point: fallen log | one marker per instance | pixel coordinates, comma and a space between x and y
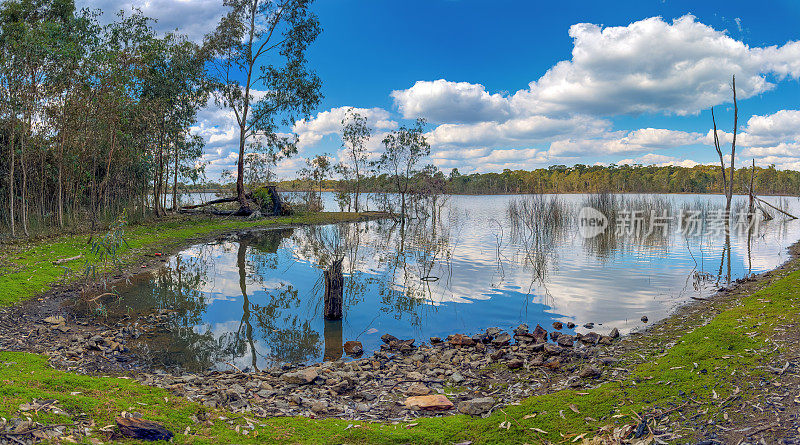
770, 205
212, 202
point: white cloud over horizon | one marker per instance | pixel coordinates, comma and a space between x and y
569, 113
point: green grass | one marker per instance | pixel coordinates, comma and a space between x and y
727, 343
27, 270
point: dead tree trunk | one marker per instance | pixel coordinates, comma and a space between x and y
277, 204
334, 291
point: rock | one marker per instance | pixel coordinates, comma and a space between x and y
553, 363
319, 407
55, 320
566, 341
142, 429
590, 339
491, 332
497, 355
418, 389
456, 377
540, 334
589, 325
605, 340
480, 347
521, 329
461, 340
436, 402
644, 318
414, 375
501, 339
388, 338
551, 349
435, 340
515, 363
557, 325
353, 347
574, 382
590, 372
554, 335
570, 325
614, 333
476, 407
301, 377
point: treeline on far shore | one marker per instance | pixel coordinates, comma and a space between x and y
579, 179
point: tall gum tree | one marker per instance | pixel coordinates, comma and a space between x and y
260, 72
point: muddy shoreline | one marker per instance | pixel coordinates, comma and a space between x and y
473, 375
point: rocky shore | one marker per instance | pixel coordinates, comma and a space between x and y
460, 374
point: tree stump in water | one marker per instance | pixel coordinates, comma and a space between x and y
333, 340
334, 291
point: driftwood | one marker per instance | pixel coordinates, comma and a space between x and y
334, 291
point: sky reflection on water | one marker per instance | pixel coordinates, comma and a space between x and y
257, 301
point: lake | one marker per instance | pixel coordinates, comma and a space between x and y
460, 266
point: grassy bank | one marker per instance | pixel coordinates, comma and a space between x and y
696, 364
27, 269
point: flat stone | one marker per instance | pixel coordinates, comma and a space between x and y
502, 339
436, 402
476, 407
553, 363
461, 340
301, 377
418, 389
566, 341
388, 338
414, 375
353, 347
491, 332
55, 320
515, 363
552, 349
319, 407
590, 372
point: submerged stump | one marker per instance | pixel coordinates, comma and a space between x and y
334, 291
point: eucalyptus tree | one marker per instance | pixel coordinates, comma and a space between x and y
316, 171
404, 148
355, 135
258, 63
176, 85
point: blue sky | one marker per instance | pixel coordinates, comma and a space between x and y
518, 84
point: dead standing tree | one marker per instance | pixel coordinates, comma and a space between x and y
334, 291
727, 183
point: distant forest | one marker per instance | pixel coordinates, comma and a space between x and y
581, 178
